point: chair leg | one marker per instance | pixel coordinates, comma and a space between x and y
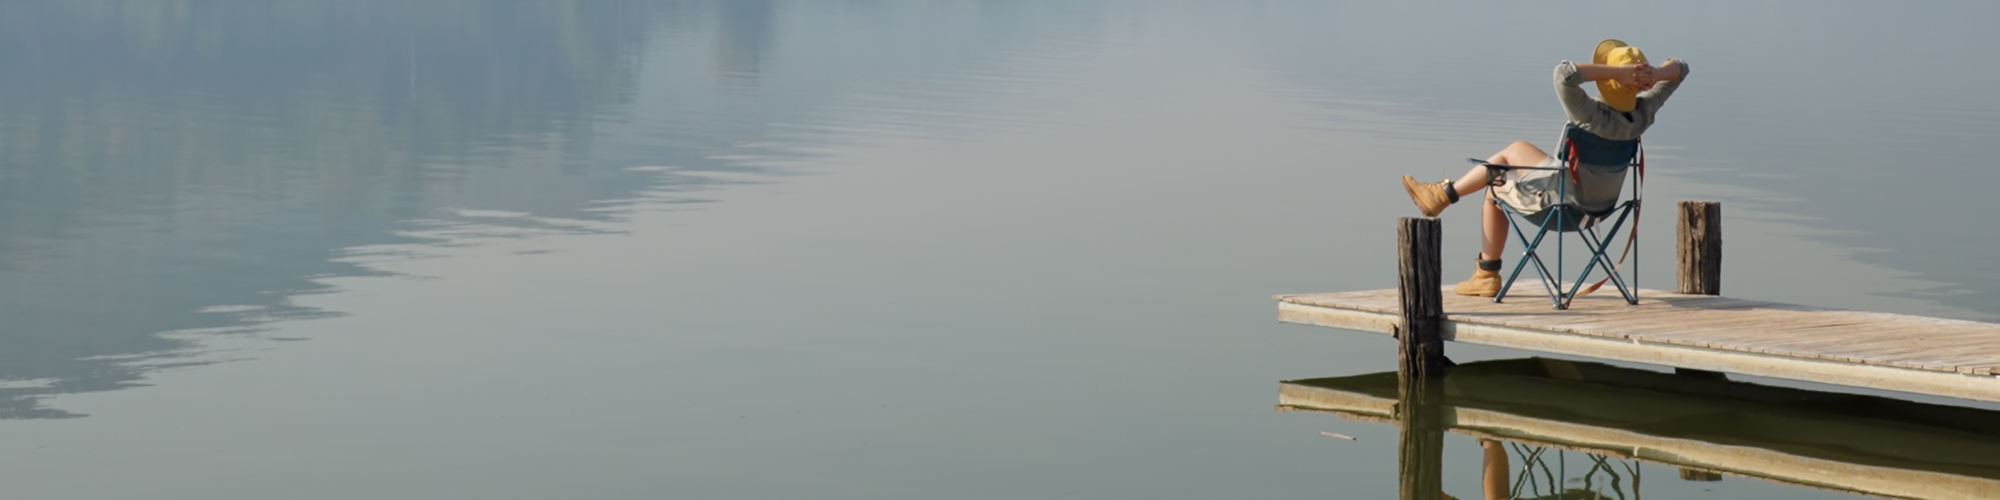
1628, 290
1596, 242
1551, 283
1589, 237
1599, 246
1508, 284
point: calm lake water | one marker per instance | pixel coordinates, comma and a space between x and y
863, 249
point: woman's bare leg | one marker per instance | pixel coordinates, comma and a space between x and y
1492, 231
1493, 222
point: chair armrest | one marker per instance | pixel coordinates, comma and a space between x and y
1483, 163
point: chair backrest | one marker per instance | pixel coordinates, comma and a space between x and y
1598, 158
1595, 151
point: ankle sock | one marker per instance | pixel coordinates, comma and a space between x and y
1490, 265
1450, 191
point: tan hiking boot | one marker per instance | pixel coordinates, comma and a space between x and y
1483, 283
1430, 198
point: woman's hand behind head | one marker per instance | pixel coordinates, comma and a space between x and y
1642, 77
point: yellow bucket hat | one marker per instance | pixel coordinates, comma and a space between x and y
1616, 53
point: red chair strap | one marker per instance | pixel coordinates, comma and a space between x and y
1642, 158
1574, 160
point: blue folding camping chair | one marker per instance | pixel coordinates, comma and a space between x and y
1579, 150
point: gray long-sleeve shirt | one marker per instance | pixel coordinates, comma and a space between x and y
1597, 118
1600, 185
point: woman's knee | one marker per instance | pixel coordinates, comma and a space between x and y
1521, 153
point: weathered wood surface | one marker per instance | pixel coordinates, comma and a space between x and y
1421, 349
1420, 448
1857, 348
1420, 444
1847, 442
1698, 248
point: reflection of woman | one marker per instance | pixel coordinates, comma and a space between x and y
1495, 474
1631, 91
1493, 470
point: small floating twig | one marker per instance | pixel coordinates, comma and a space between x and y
1342, 436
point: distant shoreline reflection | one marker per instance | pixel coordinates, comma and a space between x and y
162, 189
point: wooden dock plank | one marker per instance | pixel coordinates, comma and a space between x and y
1844, 340
1830, 338
1897, 344
1948, 357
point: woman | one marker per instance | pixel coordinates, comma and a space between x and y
1631, 92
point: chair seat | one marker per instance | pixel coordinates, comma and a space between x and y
1574, 218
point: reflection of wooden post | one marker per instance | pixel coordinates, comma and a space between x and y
1418, 267
1697, 475
1699, 249
1420, 364
1420, 451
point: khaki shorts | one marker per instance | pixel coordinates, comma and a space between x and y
1532, 192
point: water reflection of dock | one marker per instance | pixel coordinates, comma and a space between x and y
1854, 443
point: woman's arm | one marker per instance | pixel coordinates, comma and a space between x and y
1641, 76
1669, 71
1578, 105
1596, 72
1671, 74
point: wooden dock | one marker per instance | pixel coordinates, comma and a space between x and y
1845, 442
1705, 333
1855, 348
1695, 328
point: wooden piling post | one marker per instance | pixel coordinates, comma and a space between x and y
1698, 248
1698, 268
1419, 337
1420, 365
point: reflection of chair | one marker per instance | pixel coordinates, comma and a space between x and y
1557, 485
1579, 207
